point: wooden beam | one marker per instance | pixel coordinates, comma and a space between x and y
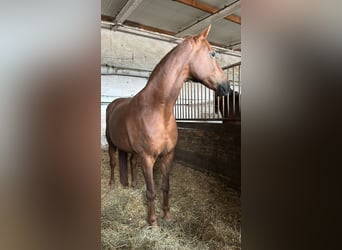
234, 18
208, 8
149, 28
137, 25
126, 11
107, 18
210, 19
235, 46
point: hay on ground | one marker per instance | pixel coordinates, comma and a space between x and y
206, 214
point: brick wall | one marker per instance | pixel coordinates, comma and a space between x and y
211, 147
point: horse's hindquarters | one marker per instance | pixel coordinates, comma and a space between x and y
116, 127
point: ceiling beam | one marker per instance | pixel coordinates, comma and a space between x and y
210, 19
109, 19
126, 11
106, 18
209, 8
234, 46
149, 28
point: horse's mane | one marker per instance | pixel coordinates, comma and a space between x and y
183, 43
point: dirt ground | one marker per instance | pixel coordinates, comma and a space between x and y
206, 213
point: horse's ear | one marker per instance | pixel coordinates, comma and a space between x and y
205, 32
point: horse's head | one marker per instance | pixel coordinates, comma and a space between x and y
204, 67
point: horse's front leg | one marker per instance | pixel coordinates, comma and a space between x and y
133, 161
166, 162
147, 167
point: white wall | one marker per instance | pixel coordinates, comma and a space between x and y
112, 87
128, 50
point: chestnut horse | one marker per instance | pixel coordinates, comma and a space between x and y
145, 126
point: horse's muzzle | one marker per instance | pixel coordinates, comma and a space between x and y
223, 89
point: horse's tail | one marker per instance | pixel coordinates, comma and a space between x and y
123, 168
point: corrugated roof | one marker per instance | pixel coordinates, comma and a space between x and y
179, 17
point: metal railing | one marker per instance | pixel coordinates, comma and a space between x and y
198, 103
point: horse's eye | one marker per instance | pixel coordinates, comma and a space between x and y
212, 54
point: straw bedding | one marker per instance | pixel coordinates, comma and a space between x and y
206, 214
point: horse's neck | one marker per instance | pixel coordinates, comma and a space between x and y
167, 80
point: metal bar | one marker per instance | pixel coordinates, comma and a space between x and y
240, 89
231, 66
227, 101
187, 97
185, 106
225, 104
125, 68
184, 100
205, 102
181, 104
190, 97
195, 100
127, 10
196, 111
218, 111
210, 111
215, 115
201, 101
129, 75
233, 91
192, 100
226, 11
178, 103
209, 8
194, 95
177, 107
124, 71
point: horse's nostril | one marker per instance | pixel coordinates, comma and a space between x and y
223, 89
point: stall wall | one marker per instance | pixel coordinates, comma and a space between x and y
213, 148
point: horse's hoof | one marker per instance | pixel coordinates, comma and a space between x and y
133, 185
111, 186
124, 184
168, 217
154, 225
153, 222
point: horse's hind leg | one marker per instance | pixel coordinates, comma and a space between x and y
133, 161
112, 161
166, 162
123, 168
